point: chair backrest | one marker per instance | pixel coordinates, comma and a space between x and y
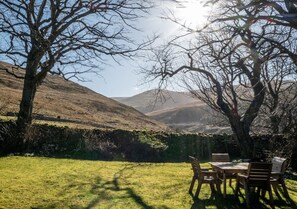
220, 157
195, 165
259, 174
279, 165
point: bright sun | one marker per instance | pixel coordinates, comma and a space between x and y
192, 12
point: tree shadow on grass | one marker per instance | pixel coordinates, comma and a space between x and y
100, 189
114, 185
216, 200
232, 202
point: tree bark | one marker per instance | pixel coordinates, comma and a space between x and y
26, 107
244, 139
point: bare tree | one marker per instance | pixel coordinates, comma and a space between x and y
281, 13
277, 74
45, 36
281, 97
222, 66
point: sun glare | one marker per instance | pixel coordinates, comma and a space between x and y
192, 12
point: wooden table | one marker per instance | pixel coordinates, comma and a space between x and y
228, 168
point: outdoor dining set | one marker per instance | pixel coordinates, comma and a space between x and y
262, 176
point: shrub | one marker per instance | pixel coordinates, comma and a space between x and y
137, 146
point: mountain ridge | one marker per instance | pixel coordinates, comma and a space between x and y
179, 110
61, 100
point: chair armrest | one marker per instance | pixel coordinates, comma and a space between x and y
241, 178
205, 169
241, 175
209, 172
276, 173
273, 179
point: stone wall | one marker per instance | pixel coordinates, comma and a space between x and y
142, 146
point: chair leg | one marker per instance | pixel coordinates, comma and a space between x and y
218, 186
230, 182
192, 184
271, 198
263, 193
274, 186
198, 189
212, 187
247, 195
284, 188
258, 193
237, 188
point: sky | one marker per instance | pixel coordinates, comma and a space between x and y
124, 80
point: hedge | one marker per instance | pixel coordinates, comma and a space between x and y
137, 146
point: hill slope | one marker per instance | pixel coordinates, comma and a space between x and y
178, 110
149, 101
65, 101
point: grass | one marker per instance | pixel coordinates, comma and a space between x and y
51, 123
35, 182
7, 118
74, 105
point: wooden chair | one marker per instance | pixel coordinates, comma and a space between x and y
220, 157
279, 166
223, 157
203, 176
258, 176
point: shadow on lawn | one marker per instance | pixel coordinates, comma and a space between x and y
216, 200
114, 185
232, 202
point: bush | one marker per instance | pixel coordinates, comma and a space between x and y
137, 146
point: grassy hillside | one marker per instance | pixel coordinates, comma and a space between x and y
31, 182
178, 110
67, 103
197, 118
151, 101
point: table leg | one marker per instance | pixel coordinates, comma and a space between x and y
224, 182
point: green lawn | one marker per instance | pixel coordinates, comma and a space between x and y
34, 182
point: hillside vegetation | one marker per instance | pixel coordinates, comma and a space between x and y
179, 111
67, 103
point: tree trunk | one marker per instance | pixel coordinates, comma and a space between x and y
26, 106
246, 145
275, 122
244, 139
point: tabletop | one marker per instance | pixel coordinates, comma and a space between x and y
227, 168
230, 166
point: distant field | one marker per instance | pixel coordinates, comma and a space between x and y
32, 182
